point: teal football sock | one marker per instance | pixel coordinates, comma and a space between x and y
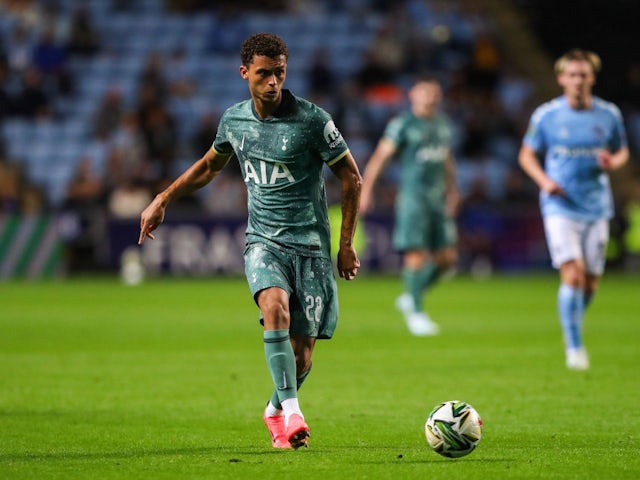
275, 401
416, 282
281, 362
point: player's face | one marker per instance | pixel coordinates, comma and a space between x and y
577, 79
265, 76
425, 98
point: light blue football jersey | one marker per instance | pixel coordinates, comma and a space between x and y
569, 140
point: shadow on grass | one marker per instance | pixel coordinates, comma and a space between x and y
214, 452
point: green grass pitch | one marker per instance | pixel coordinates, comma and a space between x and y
167, 380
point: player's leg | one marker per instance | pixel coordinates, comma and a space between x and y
424, 266
591, 286
418, 273
268, 273
297, 429
564, 241
596, 238
274, 306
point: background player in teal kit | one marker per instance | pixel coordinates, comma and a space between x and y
581, 138
427, 197
282, 143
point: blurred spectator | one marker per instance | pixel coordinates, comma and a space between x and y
109, 113
161, 139
86, 187
388, 47
514, 92
26, 12
386, 59
6, 100
84, 202
178, 75
486, 63
321, 78
83, 39
50, 58
16, 194
20, 46
128, 159
9, 188
128, 199
228, 196
152, 77
32, 101
204, 134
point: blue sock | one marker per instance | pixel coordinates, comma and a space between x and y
571, 310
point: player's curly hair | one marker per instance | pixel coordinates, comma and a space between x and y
577, 54
266, 44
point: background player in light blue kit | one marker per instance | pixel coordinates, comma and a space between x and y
282, 143
579, 138
427, 199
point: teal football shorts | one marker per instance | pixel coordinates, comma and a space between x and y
421, 229
309, 281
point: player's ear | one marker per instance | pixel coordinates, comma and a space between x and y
244, 72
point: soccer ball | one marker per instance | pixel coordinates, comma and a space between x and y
453, 429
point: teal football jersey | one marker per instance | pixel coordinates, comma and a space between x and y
281, 158
423, 146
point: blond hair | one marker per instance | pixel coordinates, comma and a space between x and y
578, 55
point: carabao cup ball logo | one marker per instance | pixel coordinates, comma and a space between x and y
331, 134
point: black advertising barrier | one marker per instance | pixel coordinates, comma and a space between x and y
204, 246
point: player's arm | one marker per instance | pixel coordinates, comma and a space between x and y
195, 177
613, 160
375, 166
451, 185
528, 160
347, 171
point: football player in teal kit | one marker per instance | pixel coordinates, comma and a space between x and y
427, 199
282, 143
571, 144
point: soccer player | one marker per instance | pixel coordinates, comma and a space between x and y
580, 138
282, 143
427, 197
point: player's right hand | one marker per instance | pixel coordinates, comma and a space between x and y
552, 188
150, 219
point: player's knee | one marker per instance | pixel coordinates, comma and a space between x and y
573, 279
276, 315
450, 260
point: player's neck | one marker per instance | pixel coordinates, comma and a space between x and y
581, 102
424, 114
266, 109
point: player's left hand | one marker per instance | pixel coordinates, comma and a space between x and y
348, 262
605, 160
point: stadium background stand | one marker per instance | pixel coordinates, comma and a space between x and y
174, 68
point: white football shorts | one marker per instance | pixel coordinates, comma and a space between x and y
570, 239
